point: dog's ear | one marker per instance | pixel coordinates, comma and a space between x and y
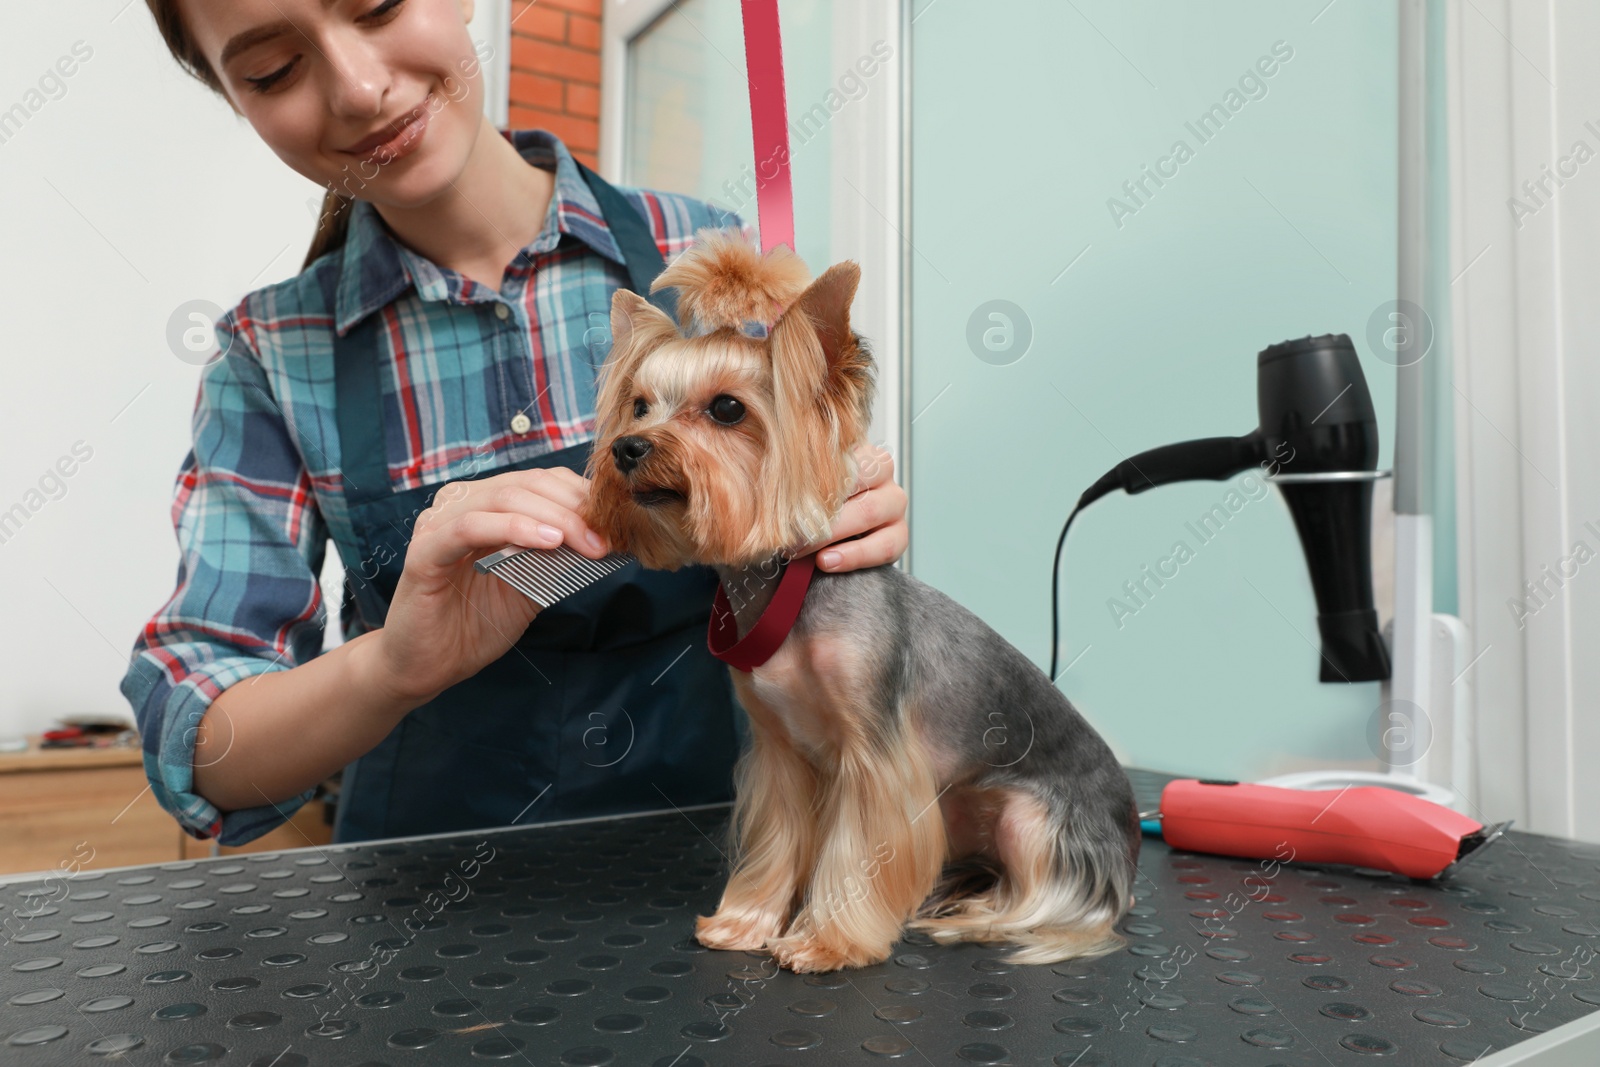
826, 306
822, 389
844, 375
638, 328
634, 318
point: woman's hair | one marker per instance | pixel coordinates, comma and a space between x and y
334, 218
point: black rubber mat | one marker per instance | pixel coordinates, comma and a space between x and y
571, 945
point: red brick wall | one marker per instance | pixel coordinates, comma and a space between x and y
555, 71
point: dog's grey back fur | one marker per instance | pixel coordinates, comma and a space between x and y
983, 698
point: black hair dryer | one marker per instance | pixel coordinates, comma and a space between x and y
1318, 442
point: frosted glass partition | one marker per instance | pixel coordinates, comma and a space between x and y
1115, 205
688, 112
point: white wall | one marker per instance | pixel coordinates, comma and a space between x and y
129, 190
1524, 91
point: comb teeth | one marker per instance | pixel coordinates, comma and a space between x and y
545, 576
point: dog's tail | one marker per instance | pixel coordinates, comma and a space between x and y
1058, 892
963, 879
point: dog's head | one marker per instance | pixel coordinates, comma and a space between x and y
732, 439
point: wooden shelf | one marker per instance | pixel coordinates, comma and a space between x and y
47, 759
92, 808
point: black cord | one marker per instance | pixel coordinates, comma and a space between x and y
1210, 457
1055, 591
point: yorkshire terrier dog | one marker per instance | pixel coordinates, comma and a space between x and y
908, 766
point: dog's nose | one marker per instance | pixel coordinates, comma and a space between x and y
628, 451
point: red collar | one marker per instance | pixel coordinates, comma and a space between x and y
770, 630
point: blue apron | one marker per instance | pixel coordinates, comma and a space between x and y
610, 702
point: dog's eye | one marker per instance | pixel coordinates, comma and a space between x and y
726, 409
639, 408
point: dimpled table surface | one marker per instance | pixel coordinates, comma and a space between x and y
570, 944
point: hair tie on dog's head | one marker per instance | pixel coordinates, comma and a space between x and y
754, 329
761, 329
725, 282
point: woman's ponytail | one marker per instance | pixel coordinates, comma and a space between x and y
333, 223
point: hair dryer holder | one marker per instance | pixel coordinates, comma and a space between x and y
1329, 476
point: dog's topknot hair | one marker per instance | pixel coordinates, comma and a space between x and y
725, 281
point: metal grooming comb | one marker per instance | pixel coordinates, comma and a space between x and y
545, 576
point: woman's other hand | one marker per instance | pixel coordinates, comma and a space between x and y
875, 516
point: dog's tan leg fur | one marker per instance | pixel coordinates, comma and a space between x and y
882, 844
775, 838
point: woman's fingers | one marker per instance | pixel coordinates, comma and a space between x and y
867, 511
877, 511
553, 514
878, 501
874, 467
874, 550
565, 487
536, 509
556, 484
477, 530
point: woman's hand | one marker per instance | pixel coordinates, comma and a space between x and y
447, 621
876, 510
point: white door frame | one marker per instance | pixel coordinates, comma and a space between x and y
1526, 384
491, 33
866, 182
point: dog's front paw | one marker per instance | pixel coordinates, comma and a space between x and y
806, 954
736, 931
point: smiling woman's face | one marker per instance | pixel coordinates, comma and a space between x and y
380, 99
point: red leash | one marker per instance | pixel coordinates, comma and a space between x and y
769, 125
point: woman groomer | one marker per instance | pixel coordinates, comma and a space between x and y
422, 393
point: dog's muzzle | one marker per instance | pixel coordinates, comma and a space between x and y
628, 451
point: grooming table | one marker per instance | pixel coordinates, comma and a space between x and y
571, 944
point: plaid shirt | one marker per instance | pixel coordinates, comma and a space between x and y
260, 491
